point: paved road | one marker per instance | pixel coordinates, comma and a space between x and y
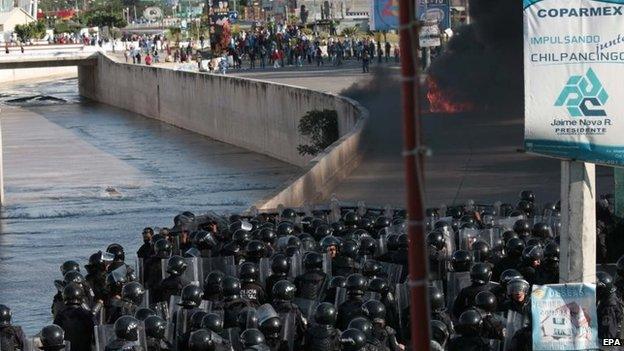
473, 155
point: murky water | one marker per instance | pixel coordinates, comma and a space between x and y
81, 175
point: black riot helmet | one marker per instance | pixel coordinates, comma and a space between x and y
352, 340
115, 282
508, 275
604, 284
486, 301
508, 235
69, 266
155, 327
372, 268
204, 240
338, 227
73, 277
439, 331
313, 261
532, 254
163, 248
252, 337
247, 318
127, 328
481, 273
117, 251
191, 296
541, 230
255, 249
271, 327
375, 311
392, 242
382, 222
518, 285
213, 284
196, 319
133, 292
522, 228
201, 340
349, 249
552, 252
214, 322
322, 231
326, 314
52, 338
280, 264
5, 315
285, 228
436, 299
480, 251
176, 265
241, 237
362, 324
461, 261
402, 242
329, 241
351, 219
98, 261
338, 282
143, 312
514, 247
469, 323
527, 195
356, 284
526, 207
288, 214
368, 246
436, 239
379, 285
268, 235
284, 290
231, 287
249, 272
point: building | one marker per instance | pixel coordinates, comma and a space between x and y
9, 19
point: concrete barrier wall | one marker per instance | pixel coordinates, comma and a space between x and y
259, 116
16, 75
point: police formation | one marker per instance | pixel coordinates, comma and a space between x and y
314, 280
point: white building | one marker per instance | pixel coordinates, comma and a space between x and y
9, 19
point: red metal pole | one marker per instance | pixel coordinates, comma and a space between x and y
419, 309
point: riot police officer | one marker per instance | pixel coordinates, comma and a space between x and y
375, 311
113, 306
283, 294
311, 284
323, 335
514, 249
365, 326
253, 340
469, 329
152, 265
173, 284
132, 295
126, 332
346, 262
531, 260
280, 266
353, 340
518, 296
147, 249
251, 290
155, 328
352, 307
271, 329
500, 290
609, 307
96, 274
493, 327
438, 255
201, 340
480, 275
11, 336
213, 288
233, 303
52, 338
76, 321
438, 308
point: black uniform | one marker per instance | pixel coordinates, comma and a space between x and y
231, 310
152, 272
610, 316
283, 307
97, 282
387, 337
507, 262
348, 310
492, 327
154, 344
146, 250
322, 338
468, 343
443, 317
120, 345
170, 286
114, 309
344, 266
466, 297
311, 285
270, 281
78, 324
11, 338
522, 340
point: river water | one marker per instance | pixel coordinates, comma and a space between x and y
81, 175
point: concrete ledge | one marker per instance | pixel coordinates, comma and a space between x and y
253, 114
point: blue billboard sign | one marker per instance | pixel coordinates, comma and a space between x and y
438, 11
384, 15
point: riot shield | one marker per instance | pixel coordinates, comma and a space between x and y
264, 312
515, 322
489, 235
140, 269
223, 264
289, 329
264, 266
456, 281
402, 305
105, 339
508, 222
341, 296
233, 335
394, 271
327, 265
382, 244
180, 317
296, 266
193, 272
306, 306
467, 237
371, 295
282, 242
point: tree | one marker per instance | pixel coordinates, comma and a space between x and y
350, 31
33, 30
321, 127
106, 19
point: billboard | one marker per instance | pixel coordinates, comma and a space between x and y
384, 15
435, 11
564, 317
573, 69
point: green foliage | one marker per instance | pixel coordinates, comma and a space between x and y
351, 31
321, 127
33, 30
65, 27
102, 18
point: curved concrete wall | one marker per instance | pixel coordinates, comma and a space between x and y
256, 115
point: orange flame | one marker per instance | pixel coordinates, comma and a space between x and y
439, 101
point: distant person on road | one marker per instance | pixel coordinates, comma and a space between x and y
319, 56
223, 64
387, 47
6, 48
148, 59
397, 53
365, 61
138, 57
22, 48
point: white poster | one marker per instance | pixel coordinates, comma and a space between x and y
574, 79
